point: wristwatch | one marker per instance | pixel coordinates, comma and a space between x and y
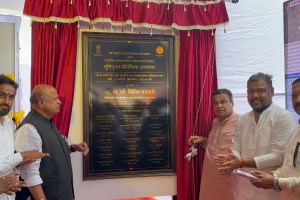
276, 186
72, 148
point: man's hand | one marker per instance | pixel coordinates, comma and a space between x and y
31, 156
10, 184
81, 147
197, 140
37, 192
227, 162
266, 179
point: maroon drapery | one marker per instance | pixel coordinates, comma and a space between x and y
54, 50
163, 15
196, 82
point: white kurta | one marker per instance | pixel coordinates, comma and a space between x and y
289, 177
264, 141
27, 138
8, 159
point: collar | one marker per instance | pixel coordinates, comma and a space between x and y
41, 117
266, 111
6, 120
226, 120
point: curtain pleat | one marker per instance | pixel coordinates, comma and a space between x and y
54, 49
197, 81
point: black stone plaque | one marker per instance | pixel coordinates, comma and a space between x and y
129, 105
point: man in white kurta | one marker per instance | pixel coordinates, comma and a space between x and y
287, 178
265, 142
261, 138
8, 159
289, 175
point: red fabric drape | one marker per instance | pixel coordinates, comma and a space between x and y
181, 15
197, 81
54, 49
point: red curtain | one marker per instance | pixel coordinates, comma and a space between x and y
54, 48
181, 14
197, 81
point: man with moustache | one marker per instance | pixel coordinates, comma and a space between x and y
50, 178
8, 158
287, 178
218, 141
261, 138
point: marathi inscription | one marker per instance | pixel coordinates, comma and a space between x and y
129, 105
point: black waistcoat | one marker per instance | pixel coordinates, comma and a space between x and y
55, 170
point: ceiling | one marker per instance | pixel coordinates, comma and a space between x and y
12, 4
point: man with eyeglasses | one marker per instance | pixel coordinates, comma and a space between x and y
261, 139
287, 178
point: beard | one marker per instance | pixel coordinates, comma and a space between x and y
4, 111
261, 109
296, 107
297, 104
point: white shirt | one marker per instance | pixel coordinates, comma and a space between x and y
289, 176
264, 141
27, 138
8, 159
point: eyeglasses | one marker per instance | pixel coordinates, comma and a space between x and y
258, 91
295, 95
5, 96
296, 153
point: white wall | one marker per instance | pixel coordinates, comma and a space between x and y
25, 64
253, 43
7, 48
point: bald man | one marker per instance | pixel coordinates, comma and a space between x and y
50, 178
